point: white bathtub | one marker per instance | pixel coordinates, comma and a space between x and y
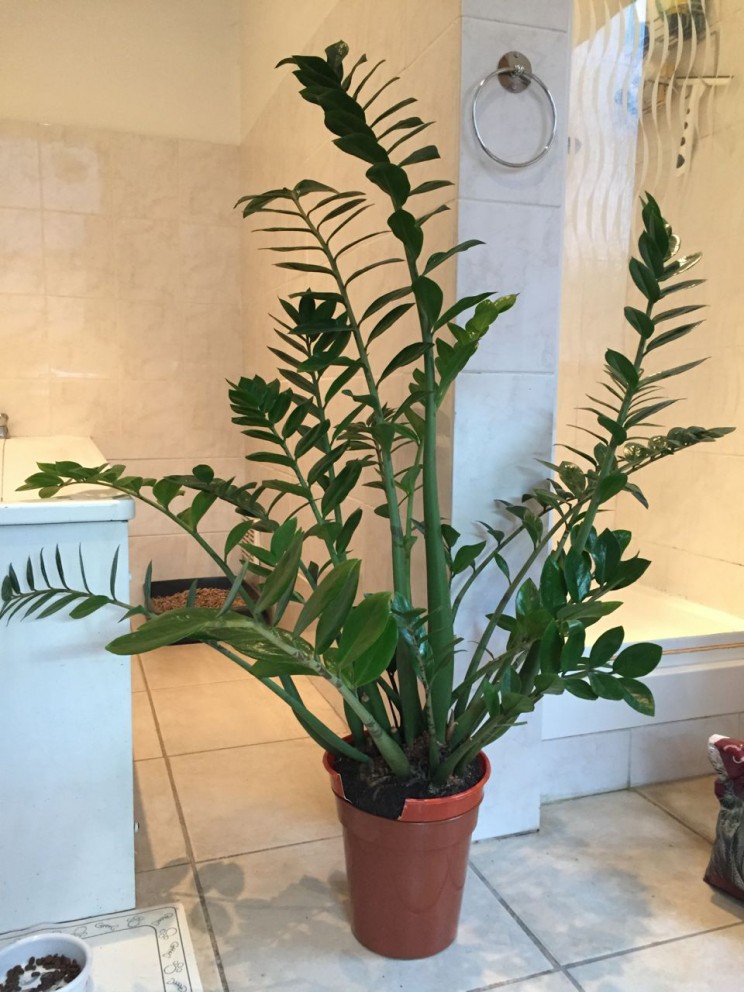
66, 796
698, 688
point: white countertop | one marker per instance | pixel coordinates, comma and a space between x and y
18, 460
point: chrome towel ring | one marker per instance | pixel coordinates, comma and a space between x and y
515, 74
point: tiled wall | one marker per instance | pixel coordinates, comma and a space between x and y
504, 401
121, 307
692, 534
695, 532
285, 141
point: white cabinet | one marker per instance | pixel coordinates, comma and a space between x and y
66, 794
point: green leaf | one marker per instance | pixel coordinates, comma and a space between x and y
577, 687
644, 280
625, 369
283, 577
364, 625
112, 576
426, 154
165, 491
337, 588
406, 356
573, 649
88, 606
392, 180
363, 146
162, 630
638, 696
371, 663
390, 318
578, 575
678, 287
668, 336
439, 257
382, 301
527, 599
606, 646
466, 303
552, 587
466, 556
341, 486
236, 535
429, 298
637, 660
606, 553
617, 431
406, 230
551, 646
605, 686
430, 186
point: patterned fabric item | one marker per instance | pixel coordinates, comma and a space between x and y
726, 866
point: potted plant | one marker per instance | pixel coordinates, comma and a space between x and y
409, 775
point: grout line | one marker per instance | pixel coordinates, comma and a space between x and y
655, 943
231, 747
264, 850
672, 815
557, 966
496, 202
513, 983
187, 841
513, 24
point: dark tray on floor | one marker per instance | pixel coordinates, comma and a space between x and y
167, 587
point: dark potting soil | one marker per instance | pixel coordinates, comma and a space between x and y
374, 789
42, 974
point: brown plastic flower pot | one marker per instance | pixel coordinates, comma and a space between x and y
406, 876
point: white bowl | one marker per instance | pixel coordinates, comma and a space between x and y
40, 944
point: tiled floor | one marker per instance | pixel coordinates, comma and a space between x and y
237, 822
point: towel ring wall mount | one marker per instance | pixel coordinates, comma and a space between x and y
515, 74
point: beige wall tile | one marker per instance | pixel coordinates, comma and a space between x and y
210, 270
208, 181
85, 407
23, 337
20, 184
147, 259
150, 338
76, 169
145, 176
27, 404
79, 254
84, 339
21, 255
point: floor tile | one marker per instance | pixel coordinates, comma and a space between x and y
145, 741
280, 922
250, 798
159, 841
605, 874
177, 885
710, 962
542, 983
231, 714
138, 683
691, 800
188, 664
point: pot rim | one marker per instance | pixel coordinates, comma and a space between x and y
423, 810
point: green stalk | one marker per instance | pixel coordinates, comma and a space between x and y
440, 621
223, 566
591, 512
410, 704
316, 728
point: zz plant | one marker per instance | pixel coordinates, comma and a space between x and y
392, 659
